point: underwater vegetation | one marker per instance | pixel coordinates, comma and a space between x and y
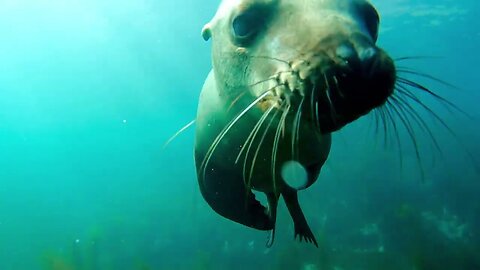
89, 254
397, 235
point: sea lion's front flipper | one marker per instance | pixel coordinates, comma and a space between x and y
228, 196
222, 187
300, 223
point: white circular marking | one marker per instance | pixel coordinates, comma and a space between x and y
294, 174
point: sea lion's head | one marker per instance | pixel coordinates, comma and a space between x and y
319, 53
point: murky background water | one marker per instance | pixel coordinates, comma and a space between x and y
91, 90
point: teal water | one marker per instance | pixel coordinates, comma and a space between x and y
91, 90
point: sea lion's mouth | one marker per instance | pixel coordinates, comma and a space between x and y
336, 92
353, 89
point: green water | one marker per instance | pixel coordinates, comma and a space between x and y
91, 90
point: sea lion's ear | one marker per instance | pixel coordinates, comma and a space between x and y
206, 32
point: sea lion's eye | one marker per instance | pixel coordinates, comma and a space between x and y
248, 21
246, 24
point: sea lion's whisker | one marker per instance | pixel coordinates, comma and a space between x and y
406, 123
222, 134
384, 123
442, 123
424, 75
312, 102
283, 125
405, 91
415, 58
402, 88
269, 58
317, 118
340, 92
296, 127
433, 94
267, 128
273, 77
242, 93
236, 100
333, 113
397, 136
371, 116
417, 118
276, 140
377, 125
232, 55
178, 133
378, 132
410, 95
255, 84
408, 109
253, 134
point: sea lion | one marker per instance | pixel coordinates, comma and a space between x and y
286, 74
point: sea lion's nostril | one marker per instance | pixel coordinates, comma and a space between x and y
368, 58
346, 52
368, 54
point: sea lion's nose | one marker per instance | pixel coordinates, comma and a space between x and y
347, 53
368, 54
359, 59
368, 59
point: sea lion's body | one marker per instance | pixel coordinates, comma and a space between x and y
223, 180
276, 94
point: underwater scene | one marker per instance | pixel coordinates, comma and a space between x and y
109, 155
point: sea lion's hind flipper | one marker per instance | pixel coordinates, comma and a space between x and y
302, 230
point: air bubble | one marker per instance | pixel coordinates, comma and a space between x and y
294, 174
